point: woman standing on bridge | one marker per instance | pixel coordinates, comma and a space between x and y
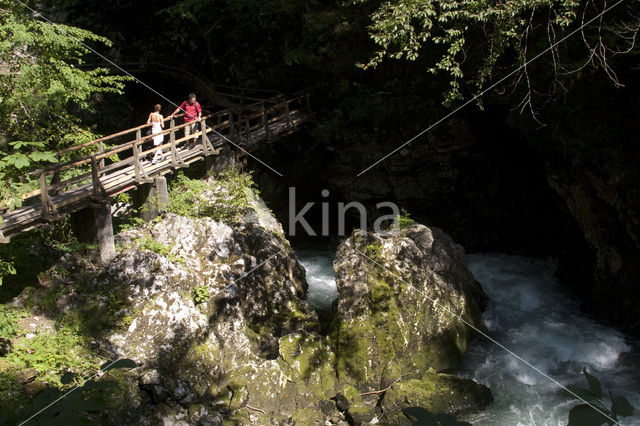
157, 124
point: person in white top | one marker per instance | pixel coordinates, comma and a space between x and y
157, 124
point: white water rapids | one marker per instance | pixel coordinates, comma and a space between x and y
530, 313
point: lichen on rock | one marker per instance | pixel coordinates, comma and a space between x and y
407, 305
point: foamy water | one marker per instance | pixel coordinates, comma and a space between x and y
322, 282
530, 313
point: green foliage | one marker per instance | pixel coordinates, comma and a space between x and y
201, 294
586, 415
146, 242
6, 268
29, 254
403, 220
440, 31
51, 353
223, 200
9, 318
80, 405
44, 88
374, 251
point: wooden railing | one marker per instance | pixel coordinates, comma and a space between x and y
108, 165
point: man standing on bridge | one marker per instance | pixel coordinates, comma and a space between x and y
192, 114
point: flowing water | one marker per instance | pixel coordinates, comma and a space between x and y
322, 283
530, 313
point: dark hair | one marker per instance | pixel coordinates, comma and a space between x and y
191, 95
157, 107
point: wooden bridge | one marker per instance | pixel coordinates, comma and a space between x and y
117, 163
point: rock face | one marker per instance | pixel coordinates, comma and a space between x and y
215, 316
605, 204
401, 297
220, 322
214, 260
405, 308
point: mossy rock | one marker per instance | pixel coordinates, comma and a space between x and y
307, 417
401, 296
309, 361
357, 409
437, 393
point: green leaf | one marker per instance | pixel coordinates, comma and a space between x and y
621, 406
585, 415
43, 156
19, 161
594, 383
120, 363
14, 203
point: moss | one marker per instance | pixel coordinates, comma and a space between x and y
374, 251
437, 393
381, 296
352, 395
239, 395
224, 199
372, 340
238, 417
306, 358
307, 417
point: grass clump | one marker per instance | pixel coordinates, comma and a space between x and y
9, 322
200, 294
224, 199
403, 221
146, 242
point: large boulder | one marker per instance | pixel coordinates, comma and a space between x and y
184, 274
407, 305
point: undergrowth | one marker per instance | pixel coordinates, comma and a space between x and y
224, 199
146, 242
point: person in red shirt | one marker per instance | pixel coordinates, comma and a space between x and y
192, 114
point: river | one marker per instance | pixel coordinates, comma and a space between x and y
533, 315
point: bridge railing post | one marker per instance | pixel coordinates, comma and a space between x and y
101, 150
265, 121
172, 140
136, 156
232, 126
98, 190
286, 111
206, 144
48, 209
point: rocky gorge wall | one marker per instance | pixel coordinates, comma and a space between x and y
213, 313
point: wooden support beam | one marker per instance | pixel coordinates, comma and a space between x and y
93, 225
104, 233
152, 199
